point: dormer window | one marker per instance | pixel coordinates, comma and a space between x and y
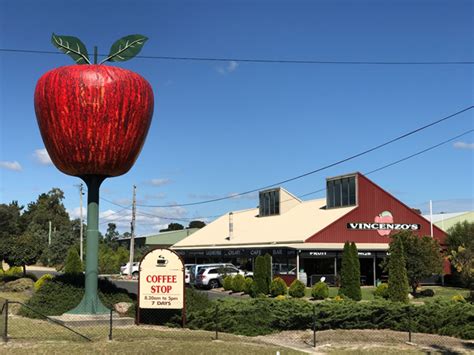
341, 191
269, 202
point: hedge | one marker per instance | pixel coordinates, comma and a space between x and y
263, 316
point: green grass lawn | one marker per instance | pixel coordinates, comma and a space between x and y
28, 336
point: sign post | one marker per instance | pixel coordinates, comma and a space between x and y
161, 282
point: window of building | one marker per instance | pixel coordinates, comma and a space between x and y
341, 192
269, 202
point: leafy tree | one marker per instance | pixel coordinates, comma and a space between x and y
23, 250
422, 257
350, 273
397, 273
462, 233
196, 224
110, 260
460, 242
111, 236
73, 264
11, 226
173, 227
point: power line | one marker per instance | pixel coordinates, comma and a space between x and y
319, 169
323, 189
261, 60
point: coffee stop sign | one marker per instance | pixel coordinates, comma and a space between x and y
161, 280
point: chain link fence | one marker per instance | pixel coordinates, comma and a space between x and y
234, 321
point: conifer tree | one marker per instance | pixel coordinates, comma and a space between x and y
345, 269
397, 273
355, 291
260, 276
73, 263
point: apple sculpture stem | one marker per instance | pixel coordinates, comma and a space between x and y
94, 119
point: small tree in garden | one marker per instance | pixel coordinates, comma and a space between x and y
261, 276
73, 263
238, 283
397, 273
278, 287
356, 291
350, 273
320, 291
297, 289
268, 269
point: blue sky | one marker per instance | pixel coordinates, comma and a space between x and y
224, 127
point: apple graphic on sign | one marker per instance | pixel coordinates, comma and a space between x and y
384, 217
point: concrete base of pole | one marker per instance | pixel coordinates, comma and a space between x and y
89, 306
88, 320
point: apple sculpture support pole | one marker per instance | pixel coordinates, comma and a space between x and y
91, 303
94, 119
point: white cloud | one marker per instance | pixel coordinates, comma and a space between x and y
42, 157
229, 68
463, 145
11, 165
76, 213
149, 220
159, 182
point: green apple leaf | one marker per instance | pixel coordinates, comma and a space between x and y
71, 46
125, 48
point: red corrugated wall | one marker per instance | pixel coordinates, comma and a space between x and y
372, 200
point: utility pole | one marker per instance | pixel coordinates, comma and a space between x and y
132, 232
81, 229
81, 238
49, 241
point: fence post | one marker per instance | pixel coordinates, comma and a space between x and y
409, 324
110, 325
5, 328
314, 326
216, 321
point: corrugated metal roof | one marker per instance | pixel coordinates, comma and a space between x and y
169, 238
294, 226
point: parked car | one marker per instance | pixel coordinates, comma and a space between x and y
124, 269
194, 270
212, 277
187, 273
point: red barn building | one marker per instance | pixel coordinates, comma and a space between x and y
306, 238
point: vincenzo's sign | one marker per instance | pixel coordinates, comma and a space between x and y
161, 280
383, 224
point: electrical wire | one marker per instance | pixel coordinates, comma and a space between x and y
260, 60
318, 169
323, 189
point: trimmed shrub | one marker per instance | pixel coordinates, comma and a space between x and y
427, 293
64, 292
253, 290
458, 298
227, 283
320, 291
42, 280
278, 287
73, 264
268, 270
248, 285
297, 289
238, 283
381, 291
266, 315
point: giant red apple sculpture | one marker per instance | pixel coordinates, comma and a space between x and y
94, 120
